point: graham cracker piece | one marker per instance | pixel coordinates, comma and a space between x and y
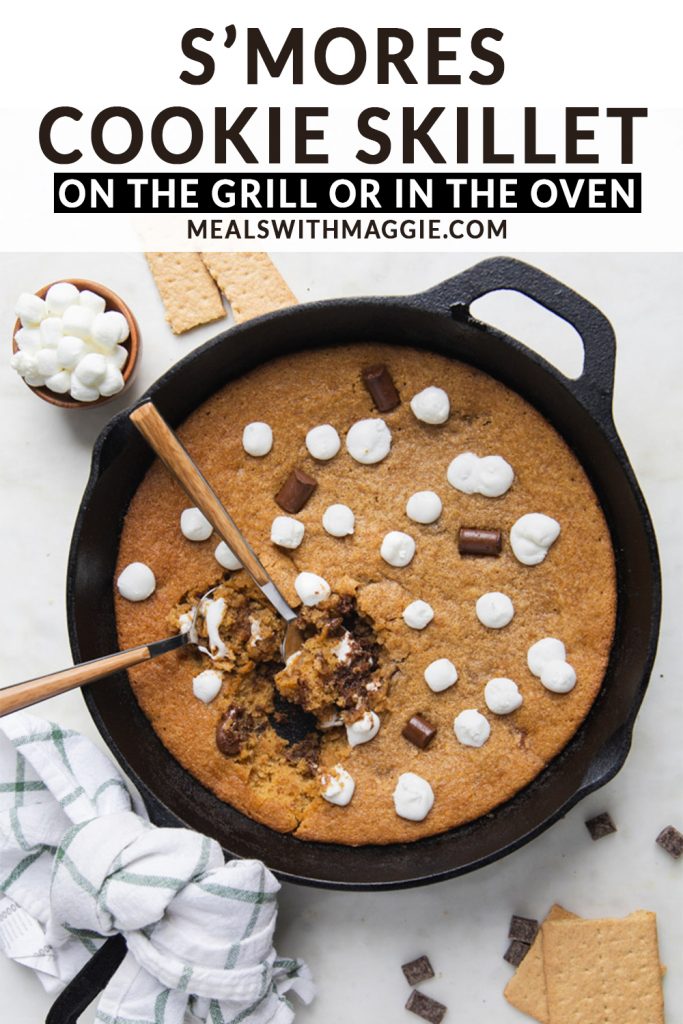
250, 281
187, 290
606, 970
526, 988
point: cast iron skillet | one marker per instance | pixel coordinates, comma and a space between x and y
437, 320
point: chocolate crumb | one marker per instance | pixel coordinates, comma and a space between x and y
524, 929
516, 952
418, 970
423, 1006
232, 730
600, 826
671, 840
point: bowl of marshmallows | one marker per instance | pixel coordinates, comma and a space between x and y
75, 343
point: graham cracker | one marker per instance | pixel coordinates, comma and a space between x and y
606, 970
187, 290
250, 281
526, 988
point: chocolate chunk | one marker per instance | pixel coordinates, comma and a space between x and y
295, 491
418, 731
671, 840
232, 731
524, 929
601, 825
423, 1006
379, 383
418, 970
474, 541
516, 952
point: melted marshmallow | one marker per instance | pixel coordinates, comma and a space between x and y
418, 614
312, 589
323, 442
368, 441
257, 439
363, 729
490, 476
413, 797
287, 532
532, 536
206, 686
339, 520
397, 548
440, 674
547, 649
471, 728
136, 582
495, 610
213, 612
194, 525
431, 405
502, 696
424, 507
337, 786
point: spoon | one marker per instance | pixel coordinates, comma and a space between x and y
178, 461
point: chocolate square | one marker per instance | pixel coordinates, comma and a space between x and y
423, 1006
524, 929
418, 970
516, 952
600, 826
671, 840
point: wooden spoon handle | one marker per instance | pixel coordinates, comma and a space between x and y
178, 461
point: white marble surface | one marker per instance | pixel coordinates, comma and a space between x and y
355, 943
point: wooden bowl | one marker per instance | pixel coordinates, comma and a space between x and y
132, 344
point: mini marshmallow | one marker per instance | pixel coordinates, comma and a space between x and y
344, 650
397, 548
34, 379
70, 351
257, 439
225, 557
287, 532
51, 331
368, 441
59, 382
532, 536
502, 696
194, 525
23, 362
95, 303
363, 729
91, 369
77, 320
339, 520
60, 296
558, 676
440, 674
107, 329
113, 382
118, 356
82, 392
337, 786
547, 649
207, 685
495, 610
424, 507
431, 405
418, 614
471, 728
490, 476
136, 582
47, 363
323, 442
30, 309
312, 589
28, 339
413, 797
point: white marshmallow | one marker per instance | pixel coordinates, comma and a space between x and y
547, 649
424, 507
23, 362
207, 685
495, 610
339, 520
95, 303
397, 548
47, 363
77, 320
532, 536
431, 405
113, 382
60, 296
368, 441
82, 392
59, 382
558, 676
287, 532
225, 557
502, 696
418, 614
490, 476
136, 582
118, 356
323, 442
363, 729
28, 339
91, 369
70, 351
30, 309
257, 439
413, 797
312, 589
471, 728
337, 786
440, 674
213, 612
51, 331
344, 650
108, 329
194, 525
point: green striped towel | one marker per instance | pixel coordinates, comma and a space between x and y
77, 864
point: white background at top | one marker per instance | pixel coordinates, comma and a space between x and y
355, 943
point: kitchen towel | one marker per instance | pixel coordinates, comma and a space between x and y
79, 863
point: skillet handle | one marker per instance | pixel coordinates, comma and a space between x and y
595, 387
88, 983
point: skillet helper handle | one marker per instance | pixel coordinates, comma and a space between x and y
595, 386
178, 461
88, 983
